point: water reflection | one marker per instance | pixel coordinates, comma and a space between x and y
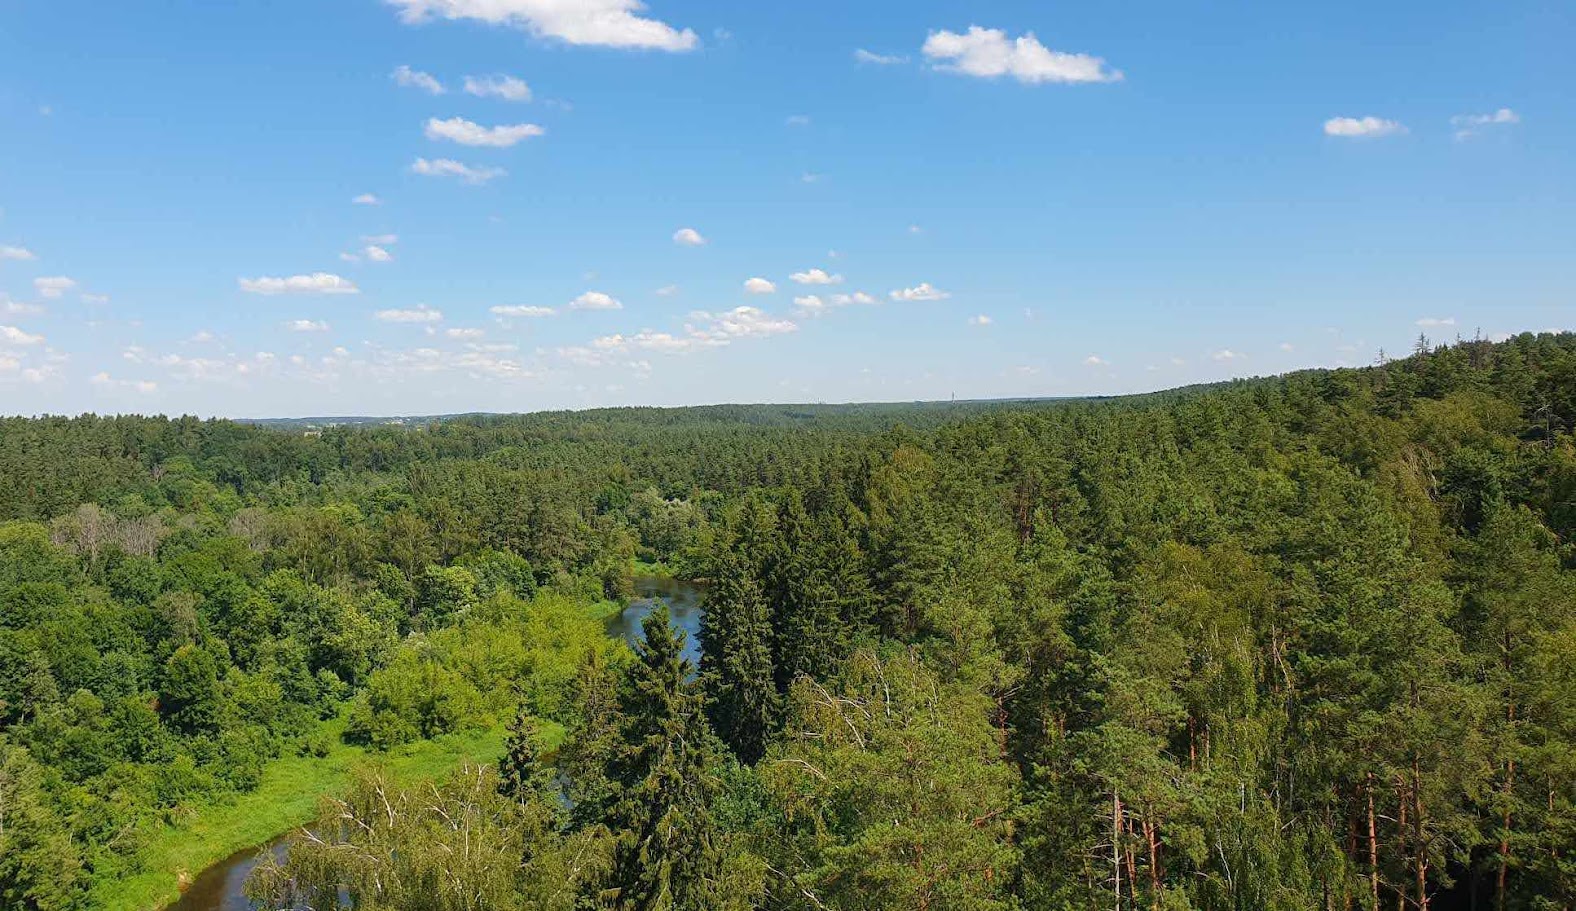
684, 606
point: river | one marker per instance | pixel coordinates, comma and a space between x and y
219, 888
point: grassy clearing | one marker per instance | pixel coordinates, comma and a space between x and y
655, 570
286, 798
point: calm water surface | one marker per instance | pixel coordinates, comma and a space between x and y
683, 600
219, 888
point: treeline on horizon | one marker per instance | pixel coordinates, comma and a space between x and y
1306, 642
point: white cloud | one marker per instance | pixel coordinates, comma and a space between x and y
448, 167
17, 254
382, 239
498, 85
759, 286
521, 310
1226, 354
467, 133
1286, 346
349, 258
367, 199
465, 333
416, 79
988, 53
104, 379
94, 298
316, 283
981, 320
1361, 127
744, 322
18, 308
421, 314
667, 290
1430, 322
595, 300
688, 237
798, 120
604, 23
377, 254
1470, 124
864, 56
858, 297
809, 177
11, 335
816, 277
810, 305
306, 325
1095, 360
924, 291
52, 286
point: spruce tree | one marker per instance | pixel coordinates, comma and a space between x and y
736, 660
665, 854
522, 775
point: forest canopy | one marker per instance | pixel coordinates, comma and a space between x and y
1303, 642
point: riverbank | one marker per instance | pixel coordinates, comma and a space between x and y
286, 798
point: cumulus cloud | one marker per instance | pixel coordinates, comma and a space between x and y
105, 380
420, 314
1470, 124
416, 79
18, 254
1095, 360
595, 300
981, 320
18, 308
864, 56
53, 286
498, 85
11, 335
759, 286
448, 167
1432, 322
306, 325
367, 199
465, 333
688, 237
603, 23
521, 310
858, 297
316, 283
377, 254
667, 290
810, 305
1226, 354
816, 277
924, 291
464, 132
94, 298
989, 53
1361, 127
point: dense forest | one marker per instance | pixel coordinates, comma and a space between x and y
1305, 642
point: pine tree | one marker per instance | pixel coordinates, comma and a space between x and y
736, 661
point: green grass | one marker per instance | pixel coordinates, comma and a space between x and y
657, 570
287, 797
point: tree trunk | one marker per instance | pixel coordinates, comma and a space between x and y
1116, 844
1421, 845
1154, 864
1373, 846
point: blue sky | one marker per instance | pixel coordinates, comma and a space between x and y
285, 208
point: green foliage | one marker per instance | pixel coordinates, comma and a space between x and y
1299, 642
